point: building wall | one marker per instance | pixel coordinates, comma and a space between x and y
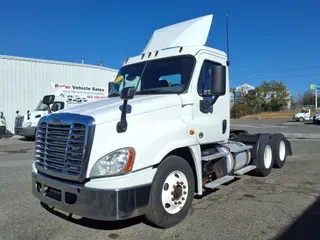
24, 81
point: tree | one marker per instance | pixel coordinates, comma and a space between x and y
269, 96
307, 98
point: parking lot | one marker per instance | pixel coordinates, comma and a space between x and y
287, 202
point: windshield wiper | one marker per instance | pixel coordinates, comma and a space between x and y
114, 95
150, 91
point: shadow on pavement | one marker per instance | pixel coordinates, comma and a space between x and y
95, 224
306, 227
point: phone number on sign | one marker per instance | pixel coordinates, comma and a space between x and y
96, 97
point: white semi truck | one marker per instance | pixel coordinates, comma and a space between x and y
304, 115
66, 96
162, 136
3, 125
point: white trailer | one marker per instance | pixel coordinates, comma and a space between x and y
162, 136
66, 96
24, 81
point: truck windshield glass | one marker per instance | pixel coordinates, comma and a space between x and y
167, 75
41, 107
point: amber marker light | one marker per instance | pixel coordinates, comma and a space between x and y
191, 132
130, 161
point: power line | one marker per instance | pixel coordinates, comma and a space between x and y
279, 77
284, 70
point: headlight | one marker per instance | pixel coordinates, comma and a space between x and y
27, 124
115, 163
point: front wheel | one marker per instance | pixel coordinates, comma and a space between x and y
171, 193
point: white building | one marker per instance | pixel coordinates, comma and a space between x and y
24, 81
244, 88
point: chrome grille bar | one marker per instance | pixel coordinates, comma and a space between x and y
63, 145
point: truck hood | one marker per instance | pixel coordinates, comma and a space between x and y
299, 115
33, 115
109, 109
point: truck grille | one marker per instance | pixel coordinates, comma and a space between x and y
18, 121
63, 147
18, 124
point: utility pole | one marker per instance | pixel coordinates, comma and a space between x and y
316, 98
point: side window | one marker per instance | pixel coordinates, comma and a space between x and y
57, 106
128, 81
204, 81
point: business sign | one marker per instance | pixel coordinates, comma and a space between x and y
313, 86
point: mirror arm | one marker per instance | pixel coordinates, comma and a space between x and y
205, 104
122, 125
49, 109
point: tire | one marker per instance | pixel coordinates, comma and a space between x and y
280, 150
301, 119
265, 158
163, 210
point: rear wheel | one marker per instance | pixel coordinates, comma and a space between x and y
171, 193
265, 158
280, 150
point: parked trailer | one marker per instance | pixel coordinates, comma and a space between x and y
24, 81
162, 136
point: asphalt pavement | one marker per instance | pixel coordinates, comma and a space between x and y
251, 208
291, 129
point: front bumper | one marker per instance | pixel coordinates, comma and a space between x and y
25, 132
98, 204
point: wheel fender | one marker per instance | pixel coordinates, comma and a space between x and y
196, 156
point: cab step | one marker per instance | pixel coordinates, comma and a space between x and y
219, 182
245, 170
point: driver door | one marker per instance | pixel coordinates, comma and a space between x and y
212, 125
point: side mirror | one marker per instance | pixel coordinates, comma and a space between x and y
128, 93
110, 85
218, 80
1, 114
48, 99
218, 87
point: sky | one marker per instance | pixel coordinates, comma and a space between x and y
268, 39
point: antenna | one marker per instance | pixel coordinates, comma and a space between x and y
227, 29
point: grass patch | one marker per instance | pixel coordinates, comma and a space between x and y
274, 115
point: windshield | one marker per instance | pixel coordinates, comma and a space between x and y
167, 75
41, 107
